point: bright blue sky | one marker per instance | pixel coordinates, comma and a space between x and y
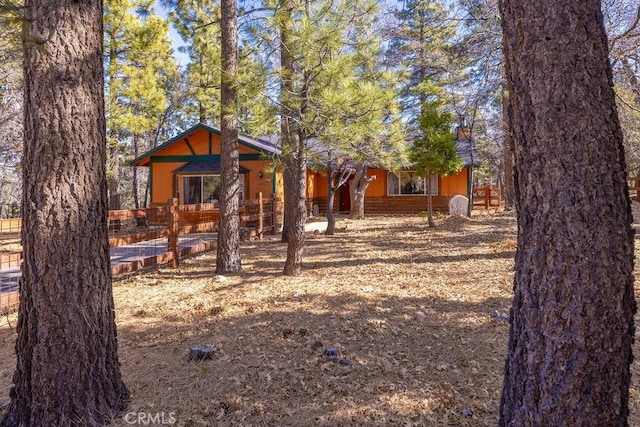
176, 40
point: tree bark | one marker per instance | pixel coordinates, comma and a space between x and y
572, 318
67, 362
331, 217
331, 194
293, 144
228, 256
295, 183
134, 173
287, 122
357, 189
430, 202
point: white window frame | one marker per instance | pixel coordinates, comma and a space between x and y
397, 179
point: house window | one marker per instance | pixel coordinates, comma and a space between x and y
409, 183
204, 188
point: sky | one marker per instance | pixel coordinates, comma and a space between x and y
176, 40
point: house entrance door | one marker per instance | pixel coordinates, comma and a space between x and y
345, 198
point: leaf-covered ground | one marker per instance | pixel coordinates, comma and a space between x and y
409, 310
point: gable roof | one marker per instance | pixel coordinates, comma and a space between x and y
260, 145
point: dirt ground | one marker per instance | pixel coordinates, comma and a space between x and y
410, 311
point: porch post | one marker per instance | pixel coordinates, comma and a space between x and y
260, 215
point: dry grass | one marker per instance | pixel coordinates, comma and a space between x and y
408, 307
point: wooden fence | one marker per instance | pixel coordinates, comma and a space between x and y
130, 227
486, 197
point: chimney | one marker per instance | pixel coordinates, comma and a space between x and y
463, 133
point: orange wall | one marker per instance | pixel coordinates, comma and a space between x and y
379, 186
454, 184
316, 184
254, 182
163, 184
448, 186
322, 185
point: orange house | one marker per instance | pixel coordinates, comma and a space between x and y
402, 191
187, 167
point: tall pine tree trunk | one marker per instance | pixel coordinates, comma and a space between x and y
287, 121
331, 217
293, 144
295, 182
67, 363
113, 153
430, 202
228, 256
331, 195
572, 318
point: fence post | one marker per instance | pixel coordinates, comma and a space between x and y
260, 230
487, 197
173, 226
274, 213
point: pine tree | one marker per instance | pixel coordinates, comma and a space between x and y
198, 23
67, 355
228, 253
139, 71
434, 153
421, 38
148, 70
572, 329
316, 38
362, 127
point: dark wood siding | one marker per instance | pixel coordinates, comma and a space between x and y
395, 204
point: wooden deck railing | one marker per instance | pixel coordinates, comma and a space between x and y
486, 197
128, 227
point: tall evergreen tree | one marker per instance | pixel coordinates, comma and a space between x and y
571, 336
149, 69
198, 23
362, 126
293, 139
119, 23
421, 37
313, 37
435, 151
140, 70
67, 358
